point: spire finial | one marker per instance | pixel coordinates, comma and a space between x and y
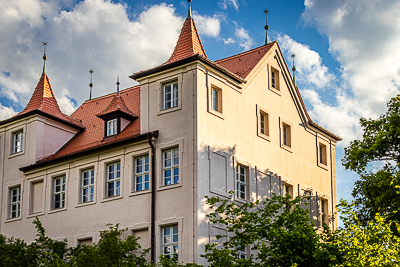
266, 27
118, 84
294, 70
44, 44
190, 9
91, 83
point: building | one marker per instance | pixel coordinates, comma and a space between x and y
146, 156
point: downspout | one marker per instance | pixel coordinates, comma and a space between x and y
153, 199
332, 198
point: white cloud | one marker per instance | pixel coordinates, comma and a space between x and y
228, 40
208, 26
309, 67
94, 34
364, 38
6, 112
224, 4
245, 40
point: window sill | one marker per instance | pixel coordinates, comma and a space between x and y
83, 204
167, 187
264, 136
36, 214
287, 148
323, 166
168, 110
216, 113
13, 155
57, 210
111, 199
276, 91
141, 192
13, 219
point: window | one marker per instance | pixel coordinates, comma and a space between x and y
142, 173
170, 238
287, 189
87, 241
15, 202
170, 95
87, 185
243, 253
18, 142
112, 127
323, 207
322, 154
113, 179
286, 135
59, 192
216, 99
171, 166
264, 123
274, 79
241, 182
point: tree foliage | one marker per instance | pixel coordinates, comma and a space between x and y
277, 231
376, 158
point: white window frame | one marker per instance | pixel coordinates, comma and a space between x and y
242, 194
172, 167
168, 242
323, 210
59, 186
112, 127
18, 141
15, 202
142, 173
242, 253
87, 196
216, 99
174, 95
115, 181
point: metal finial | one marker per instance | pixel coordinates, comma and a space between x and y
44, 44
266, 27
91, 83
294, 70
190, 9
118, 84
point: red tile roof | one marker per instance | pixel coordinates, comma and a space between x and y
117, 104
242, 64
93, 135
188, 44
43, 99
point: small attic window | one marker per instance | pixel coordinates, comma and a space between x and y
111, 127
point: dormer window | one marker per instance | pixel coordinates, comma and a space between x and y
111, 127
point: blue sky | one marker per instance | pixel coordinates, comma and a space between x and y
347, 52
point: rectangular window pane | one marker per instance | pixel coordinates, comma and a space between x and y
141, 179
170, 95
59, 192
170, 244
171, 166
87, 190
241, 182
113, 179
15, 202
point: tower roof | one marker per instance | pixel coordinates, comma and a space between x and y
188, 44
43, 100
117, 104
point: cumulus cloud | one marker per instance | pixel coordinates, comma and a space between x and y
244, 38
6, 112
364, 37
208, 26
225, 3
308, 63
94, 34
228, 40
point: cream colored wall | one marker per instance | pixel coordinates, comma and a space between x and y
235, 134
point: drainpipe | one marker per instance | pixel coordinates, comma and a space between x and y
153, 197
332, 198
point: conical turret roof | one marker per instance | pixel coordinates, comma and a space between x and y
188, 44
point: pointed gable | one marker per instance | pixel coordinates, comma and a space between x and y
188, 44
43, 100
117, 105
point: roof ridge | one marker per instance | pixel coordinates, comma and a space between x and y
245, 52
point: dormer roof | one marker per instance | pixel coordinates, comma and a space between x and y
188, 44
117, 105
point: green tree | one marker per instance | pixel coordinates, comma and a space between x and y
277, 230
376, 158
369, 244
